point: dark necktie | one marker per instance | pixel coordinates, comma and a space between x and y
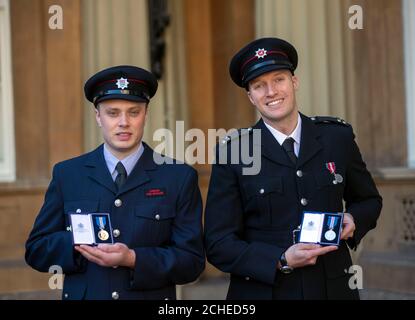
288, 146
122, 175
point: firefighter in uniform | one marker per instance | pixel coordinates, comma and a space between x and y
155, 207
306, 164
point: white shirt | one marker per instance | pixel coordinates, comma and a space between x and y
296, 135
128, 162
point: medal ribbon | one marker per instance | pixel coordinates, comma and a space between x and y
101, 222
332, 222
331, 166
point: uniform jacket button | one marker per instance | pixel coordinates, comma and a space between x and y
66, 295
78, 210
247, 278
116, 233
304, 201
118, 203
69, 228
261, 191
157, 216
299, 173
115, 295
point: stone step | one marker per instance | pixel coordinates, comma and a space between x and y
373, 294
389, 272
213, 288
16, 276
32, 295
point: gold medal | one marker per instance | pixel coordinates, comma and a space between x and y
103, 235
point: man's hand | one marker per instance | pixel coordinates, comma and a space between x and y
348, 226
109, 255
305, 254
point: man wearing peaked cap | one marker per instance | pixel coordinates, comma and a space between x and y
307, 165
152, 239
121, 82
262, 56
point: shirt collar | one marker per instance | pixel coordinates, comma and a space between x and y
128, 162
280, 137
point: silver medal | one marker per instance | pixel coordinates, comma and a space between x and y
338, 178
330, 235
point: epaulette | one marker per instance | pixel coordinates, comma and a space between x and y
332, 120
235, 134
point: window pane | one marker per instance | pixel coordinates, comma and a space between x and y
7, 149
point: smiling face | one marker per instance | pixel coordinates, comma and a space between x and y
122, 124
273, 94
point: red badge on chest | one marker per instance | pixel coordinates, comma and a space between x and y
155, 192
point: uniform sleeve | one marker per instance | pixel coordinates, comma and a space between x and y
362, 198
48, 243
224, 228
183, 260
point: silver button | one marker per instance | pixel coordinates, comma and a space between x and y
115, 295
247, 278
249, 129
116, 233
166, 299
334, 181
69, 228
66, 295
313, 118
299, 173
225, 139
78, 210
118, 203
304, 201
261, 191
157, 216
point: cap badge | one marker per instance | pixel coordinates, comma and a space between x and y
122, 83
261, 53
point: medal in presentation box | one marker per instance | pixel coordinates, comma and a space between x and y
321, 227
91, 228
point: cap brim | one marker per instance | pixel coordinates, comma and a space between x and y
121, 97
263, 70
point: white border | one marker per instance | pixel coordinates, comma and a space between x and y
408, 8
7, 165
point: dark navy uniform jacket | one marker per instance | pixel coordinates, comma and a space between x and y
165, 230
249, 219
